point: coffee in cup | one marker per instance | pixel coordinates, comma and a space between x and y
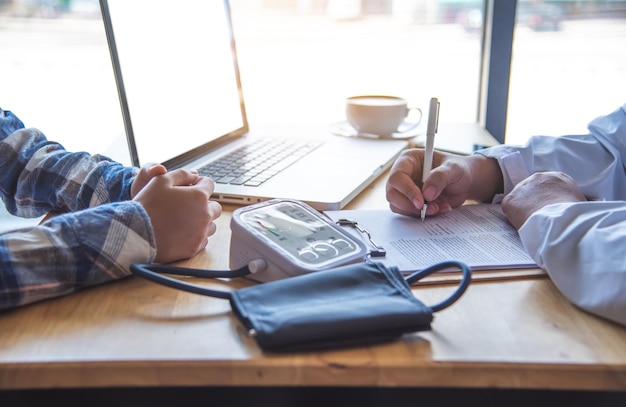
380, 115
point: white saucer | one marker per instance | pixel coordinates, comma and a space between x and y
344, 129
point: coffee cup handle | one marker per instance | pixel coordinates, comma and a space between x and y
413, 125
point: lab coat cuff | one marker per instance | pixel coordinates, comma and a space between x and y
512, 166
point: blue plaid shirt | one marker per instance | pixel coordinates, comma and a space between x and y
98, 235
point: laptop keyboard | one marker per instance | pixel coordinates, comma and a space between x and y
253, 164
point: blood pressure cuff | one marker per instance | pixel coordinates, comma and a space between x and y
346, 306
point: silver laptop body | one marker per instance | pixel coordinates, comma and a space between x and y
181, 96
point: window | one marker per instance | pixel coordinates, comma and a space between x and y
61, 77
300, 59
568, 66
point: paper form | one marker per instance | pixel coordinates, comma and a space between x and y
478, 235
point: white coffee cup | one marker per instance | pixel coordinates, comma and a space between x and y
380, 115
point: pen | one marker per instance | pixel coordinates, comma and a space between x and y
431, 130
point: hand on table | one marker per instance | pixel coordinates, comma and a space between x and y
180, 209
539, 190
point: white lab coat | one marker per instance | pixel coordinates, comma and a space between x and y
582, 246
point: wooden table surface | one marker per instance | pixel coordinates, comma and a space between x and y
506, 334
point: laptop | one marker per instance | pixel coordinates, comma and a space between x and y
181, 97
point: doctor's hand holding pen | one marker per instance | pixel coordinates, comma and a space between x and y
452, 180
425, 182
455, 179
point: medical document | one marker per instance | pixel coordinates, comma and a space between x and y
478, 235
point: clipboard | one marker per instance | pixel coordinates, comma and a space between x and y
476, 234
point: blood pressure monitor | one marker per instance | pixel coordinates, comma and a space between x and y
291, 238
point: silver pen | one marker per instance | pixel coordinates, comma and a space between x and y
431, 130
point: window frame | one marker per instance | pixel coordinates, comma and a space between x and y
495, 70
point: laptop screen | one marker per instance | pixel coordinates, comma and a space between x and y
176, 73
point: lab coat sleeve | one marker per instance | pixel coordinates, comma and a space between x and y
595, 160
581, 246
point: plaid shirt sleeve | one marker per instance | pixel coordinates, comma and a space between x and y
95, 243
39, 176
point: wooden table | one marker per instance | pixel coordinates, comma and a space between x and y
517, 334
